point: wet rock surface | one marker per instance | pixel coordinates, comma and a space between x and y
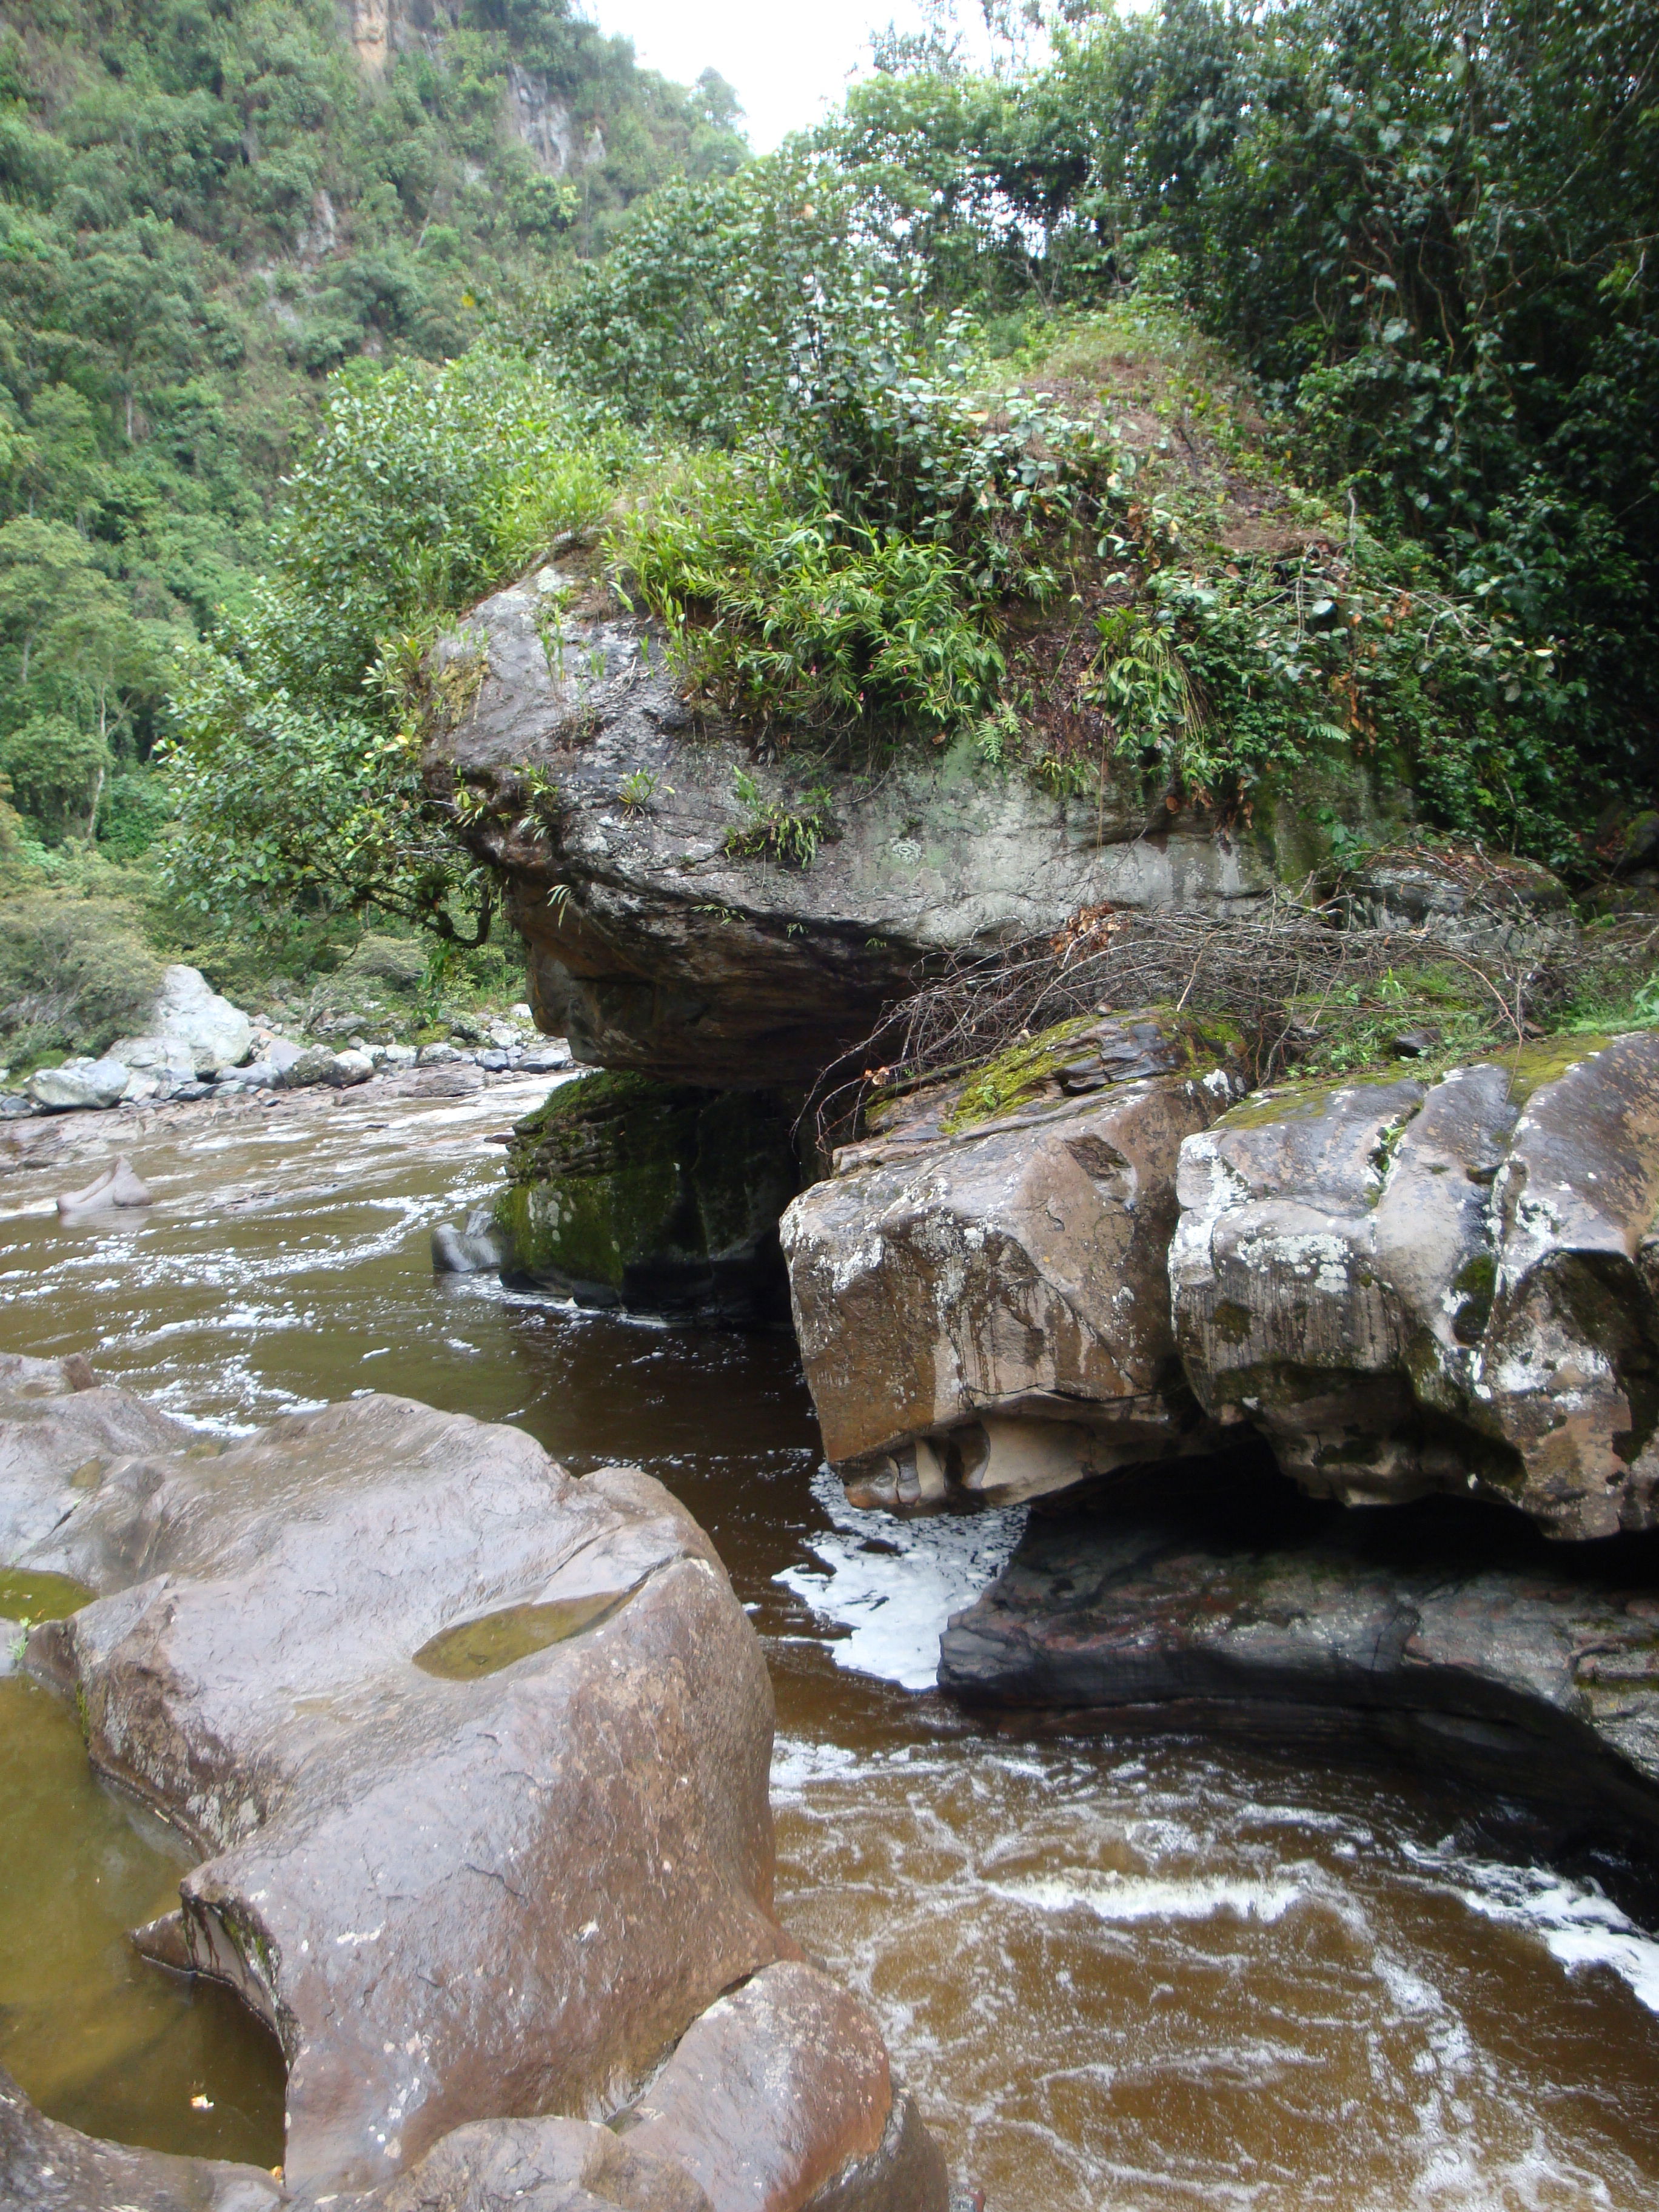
985, 1308
61, 1429
383, 1836
659, 1197
479, 1756
657, 949
1409, 1287
1223, 1598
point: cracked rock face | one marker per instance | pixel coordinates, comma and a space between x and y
1452, 1287
987, 1311
656, 950
480, 1754
1442, 1628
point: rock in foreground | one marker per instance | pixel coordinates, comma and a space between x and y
480, 1756
1225, 1599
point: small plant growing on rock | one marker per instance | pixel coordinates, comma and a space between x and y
639, 787
773, 831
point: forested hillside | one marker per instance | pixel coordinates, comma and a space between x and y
207, 209
1248, 404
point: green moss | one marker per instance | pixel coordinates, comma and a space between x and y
1020, 1076
1017, 1076
630, 1189
1230, 1320
1474, 1284
1542, 1062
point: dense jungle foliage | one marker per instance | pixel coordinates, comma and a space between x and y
1228, 398
205, 209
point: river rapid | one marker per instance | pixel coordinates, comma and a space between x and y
1137, 1972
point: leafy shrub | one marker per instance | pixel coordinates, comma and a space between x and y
135, 812
779, 620
399, 962
773, 830
74, 976
296, 769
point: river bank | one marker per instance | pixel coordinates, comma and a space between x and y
1123, 1972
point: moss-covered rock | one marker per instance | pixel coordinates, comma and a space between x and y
655, 1195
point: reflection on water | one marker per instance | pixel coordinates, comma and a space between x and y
1149, 1975
97, 2037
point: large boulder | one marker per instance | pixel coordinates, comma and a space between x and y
981, 1298
665, 934
658, 1196
1408, 1286
61, 1430
780, 2096
1225, 1600
479, 1754
1470, 900
80, 1084
190, 1027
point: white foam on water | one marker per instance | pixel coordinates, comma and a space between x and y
797, 1765
895, 1601
1149, 1896
1579, 1926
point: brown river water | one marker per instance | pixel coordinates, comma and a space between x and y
1150, 1973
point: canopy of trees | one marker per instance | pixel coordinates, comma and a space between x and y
204, 210
850, 420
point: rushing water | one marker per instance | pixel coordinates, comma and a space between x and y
1150, 1974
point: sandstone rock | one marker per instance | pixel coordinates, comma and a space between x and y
987, 1307
1470, 900
45, 2168
120, 1185
780, 2096
657, 948
1408, 1288
546, 1058
192, 1023
79, 1084
61, 1429
657, 1196
320, 1063
1224, 1599
550, 2165
480, 1753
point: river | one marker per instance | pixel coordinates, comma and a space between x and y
1150, 1973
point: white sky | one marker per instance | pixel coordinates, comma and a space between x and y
787, 59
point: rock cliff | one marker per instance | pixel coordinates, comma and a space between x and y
666, 936
1401, 1284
